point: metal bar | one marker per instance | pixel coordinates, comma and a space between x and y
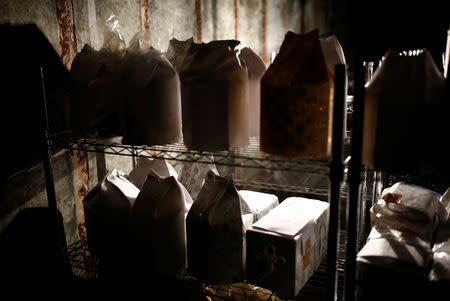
101, 164
336, 175
244, 158
46, 151
354, 178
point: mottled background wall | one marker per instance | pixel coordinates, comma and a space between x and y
259, 24
177, 19
40, 12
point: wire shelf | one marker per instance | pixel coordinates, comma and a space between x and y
85, 267
249, 156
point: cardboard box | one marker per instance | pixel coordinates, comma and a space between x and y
286, 247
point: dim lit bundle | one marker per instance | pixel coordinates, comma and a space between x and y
177, 51
94, 105
107, 210
214, 89
409, 202
440, 270
400, 244
150, 98
215, 232
402, 108
138, 233
159, 226
297, 100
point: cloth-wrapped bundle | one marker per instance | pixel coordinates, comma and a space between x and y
107, 210
151, 101
402, 266
124, 224
440, 270
94, 101
159, 226
177, 51
214, 89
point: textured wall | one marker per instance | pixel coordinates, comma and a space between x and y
282, 16
41, 12
250, 24
91, 15
27, 189
171, 19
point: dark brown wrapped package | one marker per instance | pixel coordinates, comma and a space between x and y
94, 105
297, 100
177, 51
107, 209
214, 89
159, 226
215, 234
151, 104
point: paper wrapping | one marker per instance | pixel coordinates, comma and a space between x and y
215, 236
214, 89
332, 51
255, 68
286, 246
390, 254
193, 174
259, 203
334, 54
143, 166
297, 100
440, 269
445, 202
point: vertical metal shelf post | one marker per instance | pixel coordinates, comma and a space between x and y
46, 157
336, 176
354, 178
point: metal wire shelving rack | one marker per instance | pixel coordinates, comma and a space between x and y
330, 184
